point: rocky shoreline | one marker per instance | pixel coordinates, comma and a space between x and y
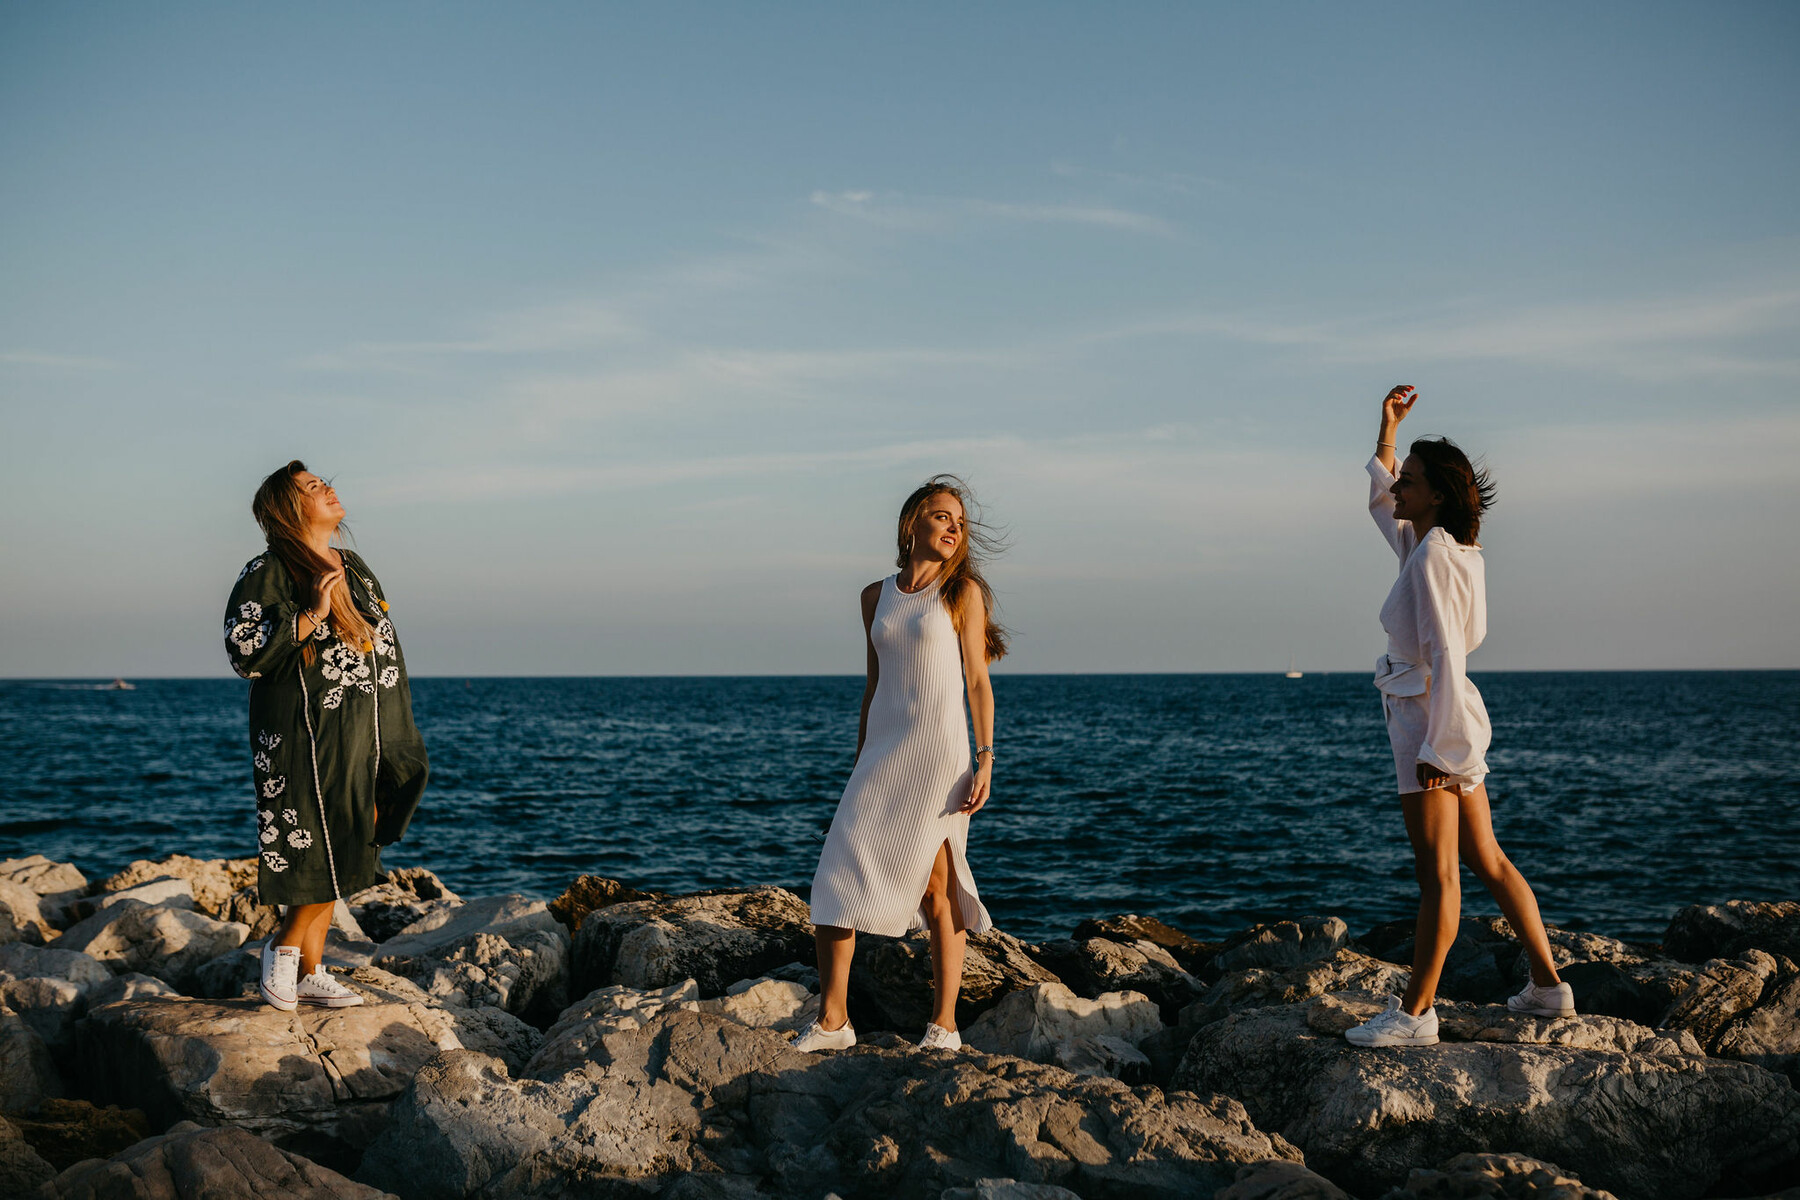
614, 1043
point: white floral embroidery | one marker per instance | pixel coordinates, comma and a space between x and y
253, 565
333, 698
299, 839
390, 675
322, 632
268, 740
272, 788
384, 638
250, 610
269, 834
343, 661
290, 816
249, 636
266, 816
274, 861
262, 762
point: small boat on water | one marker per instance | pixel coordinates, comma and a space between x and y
1292, 672
118, 685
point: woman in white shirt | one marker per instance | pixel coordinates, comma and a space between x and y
1435, 616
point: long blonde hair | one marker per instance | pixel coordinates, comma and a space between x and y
978, 543
280, 508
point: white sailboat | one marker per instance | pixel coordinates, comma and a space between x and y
1292, 672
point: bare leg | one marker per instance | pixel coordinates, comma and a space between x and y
948, 941
1496, 872
304, 927
835, 949
1431, 824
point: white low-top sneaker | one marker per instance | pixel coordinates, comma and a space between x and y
815, 1037
1394, 1026
280, 966
320, 988
1557, 1000
938, 1038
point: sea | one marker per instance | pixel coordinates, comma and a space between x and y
1209, 801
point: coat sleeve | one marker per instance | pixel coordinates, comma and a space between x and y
1381, 506
262, 619
1442, 604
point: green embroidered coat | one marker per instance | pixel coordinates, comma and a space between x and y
339, 766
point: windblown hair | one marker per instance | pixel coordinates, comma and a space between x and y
1468, 491
280, 508
978, 544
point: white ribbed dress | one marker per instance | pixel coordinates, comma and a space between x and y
904, 798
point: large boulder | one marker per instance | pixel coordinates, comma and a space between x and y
1048, 1023
588, 893
67, 1131
22, 916
212, 881
485, 1028
608, 1010
444, 928
169, 891
245, 906
22, 1169
1280, 1180
1282, 944
1096, 965
500, 951
317, 1081
1483, 963
169, 943
28, 1075
192, 1163
1501, 1176
1629, 1109
1342, 971
58, 885
404, 897
1747, 1008
1129, 928
890, 979
714, 938
48, 988
691, 1092
1704, 931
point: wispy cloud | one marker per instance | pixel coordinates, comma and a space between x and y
894, 210
60, 362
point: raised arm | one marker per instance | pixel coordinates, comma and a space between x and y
972, 632
871, 596
1383, 467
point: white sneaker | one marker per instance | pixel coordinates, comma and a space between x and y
938, 1038
280, 965
815, 1037
320, 988
1393, 1026
1557, 1000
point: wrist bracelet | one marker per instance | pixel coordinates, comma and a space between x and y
1389, 445
981, 750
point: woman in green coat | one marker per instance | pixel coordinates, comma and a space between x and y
339, 766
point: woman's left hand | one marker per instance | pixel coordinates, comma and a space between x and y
1430, 777
979, 787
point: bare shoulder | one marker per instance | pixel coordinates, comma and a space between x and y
968, 595
871, 596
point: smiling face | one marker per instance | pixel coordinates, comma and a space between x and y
319, 501
1413, 498
938, 531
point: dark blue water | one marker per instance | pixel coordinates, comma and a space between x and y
1210, 801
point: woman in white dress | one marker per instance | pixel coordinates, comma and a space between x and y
1435, 616
896, 857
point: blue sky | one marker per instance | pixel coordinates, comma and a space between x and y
624, 330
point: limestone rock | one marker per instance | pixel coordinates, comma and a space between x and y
213, 880
1279, 1180
1502, 1176
168, 943
1768, 1034
403, 897
1705, 931
245, 906
49, 1006
1049, 1023
1482, 965
169, 891
21, 915
613, 1009
20, 961
129, 986
589, 892
890, 978
691, 1092
192, 1163
714, 938
1721, 990
21, 1168
525, 972
444, 928
483, 1028
1342, 971
64, 1132
1282, 944
58, 885
765, 1004
1190, 952
1096, 965
1008, 1189
27, 1073
1365, 1117
319, 1079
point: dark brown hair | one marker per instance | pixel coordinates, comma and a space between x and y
1468, 490
979, 543
280, 508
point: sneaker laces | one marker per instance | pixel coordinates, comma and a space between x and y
285, 969
320, 981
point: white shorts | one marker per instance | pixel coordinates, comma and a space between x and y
1408, 719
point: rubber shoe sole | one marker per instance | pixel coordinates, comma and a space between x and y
1388, 1039
331, 1001
274, 1001
1540, 1012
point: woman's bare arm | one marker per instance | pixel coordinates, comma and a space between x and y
973, 634
1394, 408
871, 596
